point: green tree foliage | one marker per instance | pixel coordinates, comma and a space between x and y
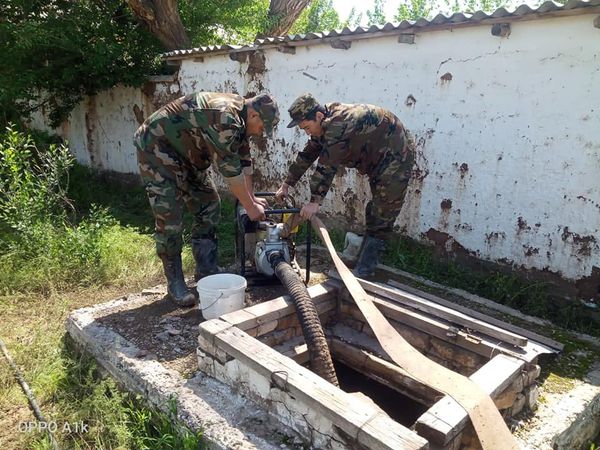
414, 10
476, 5
417, 9
376, 15
223, 21
354, 19
57, 51
319, 16
322, 16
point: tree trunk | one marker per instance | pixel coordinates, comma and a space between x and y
283, 14
162, 19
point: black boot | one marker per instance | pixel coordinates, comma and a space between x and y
176, 287
205, 255
368, 258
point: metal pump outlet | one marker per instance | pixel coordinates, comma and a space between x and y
266, 252
257, 243
269, 247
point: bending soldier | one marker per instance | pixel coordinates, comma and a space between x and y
360, 136
175, 147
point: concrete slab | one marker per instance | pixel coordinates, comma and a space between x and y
565, 420
227, 420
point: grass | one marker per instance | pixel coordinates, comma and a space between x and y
55, 270
504, 288
68, 386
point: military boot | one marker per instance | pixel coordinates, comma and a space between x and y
205, 255
176, 287
368, 258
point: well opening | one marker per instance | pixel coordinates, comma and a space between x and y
260, 351
393, 402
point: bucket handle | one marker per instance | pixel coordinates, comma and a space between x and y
216, 300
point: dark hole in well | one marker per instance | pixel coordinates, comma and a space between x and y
401, 408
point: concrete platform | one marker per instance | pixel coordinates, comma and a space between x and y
565, 420
227, 420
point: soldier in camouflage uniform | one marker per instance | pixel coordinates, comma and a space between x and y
175, 147
360, 136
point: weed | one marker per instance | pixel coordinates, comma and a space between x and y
504, 288
47, 244
112, 419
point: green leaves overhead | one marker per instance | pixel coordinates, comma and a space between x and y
55, 52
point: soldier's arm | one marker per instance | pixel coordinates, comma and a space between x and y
334, 148
320, 182
303, 161
227, 141
245, 158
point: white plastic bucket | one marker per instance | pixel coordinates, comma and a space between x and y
221, 294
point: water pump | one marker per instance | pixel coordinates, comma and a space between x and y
257, 243
266, 252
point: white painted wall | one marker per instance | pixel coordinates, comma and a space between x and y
522, 113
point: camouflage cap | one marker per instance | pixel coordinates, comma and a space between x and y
302, 106
267, 109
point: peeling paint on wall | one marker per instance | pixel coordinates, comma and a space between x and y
492, 178
91, 122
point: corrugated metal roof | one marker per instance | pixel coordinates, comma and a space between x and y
546, 8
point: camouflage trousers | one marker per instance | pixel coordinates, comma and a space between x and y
171, 182
388, 183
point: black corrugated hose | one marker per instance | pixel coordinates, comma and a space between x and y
318, 350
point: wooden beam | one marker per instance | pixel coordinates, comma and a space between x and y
295, 348
406, 38
287, 49
261, 313
501, 29
382, 371
484, 317
403, 317
341, 44
369, 427
450, 314
443, 312
240, 56
446, 419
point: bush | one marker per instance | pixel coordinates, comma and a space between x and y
44, 245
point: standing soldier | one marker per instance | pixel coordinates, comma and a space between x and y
175, 147
364, 137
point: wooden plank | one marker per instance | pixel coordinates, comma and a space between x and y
445, 312
555, 345
491, 429
263, 327
295, 349
382, 371
369, 426
446, 419
268, 311
405, 317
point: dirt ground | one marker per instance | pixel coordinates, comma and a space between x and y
169, 335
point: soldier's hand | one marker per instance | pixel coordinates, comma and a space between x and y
309, 210
256, 212
282, 193
261, 201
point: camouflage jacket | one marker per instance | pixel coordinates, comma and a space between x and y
355, 136
202, 128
